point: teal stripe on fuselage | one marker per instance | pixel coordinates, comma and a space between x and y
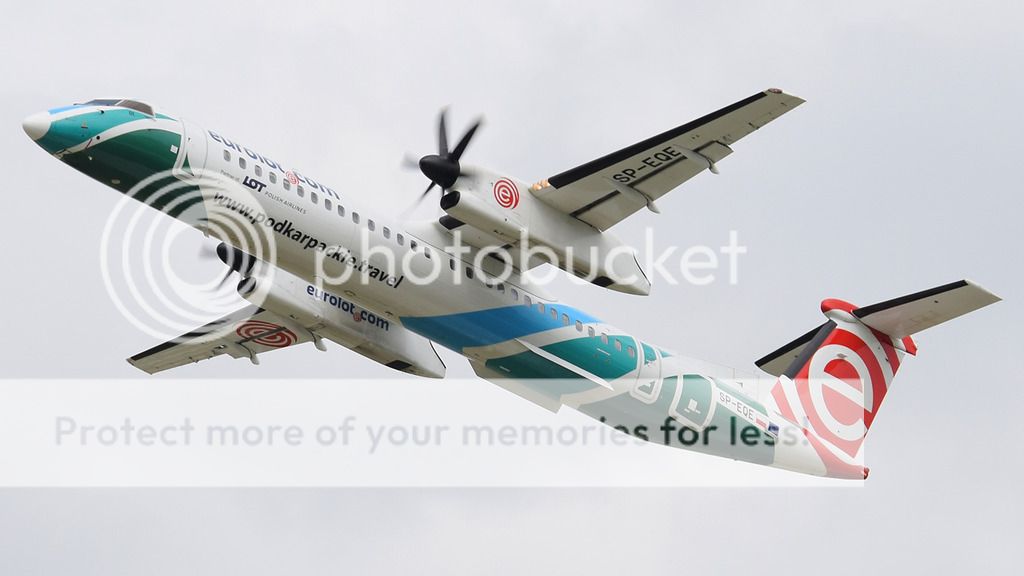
491, 326
595, 356
73, 130
588, 353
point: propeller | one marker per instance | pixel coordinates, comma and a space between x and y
443, 169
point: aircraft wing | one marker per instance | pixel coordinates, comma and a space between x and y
241, 334
605, 191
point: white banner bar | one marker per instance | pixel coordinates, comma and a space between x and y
330, 433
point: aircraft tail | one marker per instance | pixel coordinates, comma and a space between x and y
832, 380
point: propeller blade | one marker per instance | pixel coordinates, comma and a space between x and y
410, 162
425, 192
461, 146
224, 279
418, 201
442, 135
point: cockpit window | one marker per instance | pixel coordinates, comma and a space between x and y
137, 106
123, 103
101, 102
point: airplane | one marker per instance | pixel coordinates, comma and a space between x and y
285, 233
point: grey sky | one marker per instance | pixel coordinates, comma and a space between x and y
898, 174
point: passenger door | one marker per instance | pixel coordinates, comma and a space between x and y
191, 159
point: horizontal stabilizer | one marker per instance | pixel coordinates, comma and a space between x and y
916, 312
897, 318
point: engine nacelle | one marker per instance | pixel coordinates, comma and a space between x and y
470, 209
343, 322
488, 211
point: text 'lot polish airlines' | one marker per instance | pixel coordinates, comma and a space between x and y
285, 234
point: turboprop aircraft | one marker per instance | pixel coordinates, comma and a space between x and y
315, 264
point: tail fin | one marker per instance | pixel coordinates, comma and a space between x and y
833, 379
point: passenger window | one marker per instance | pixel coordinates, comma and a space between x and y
327, 203
565, 319
515, 295
413, 245
273, 177
527, 300
300, 190
259, 170
341, 210
604, 338
540, 307
469, 272
241, 162
426, 252
554, 314
287, 184
355, 217
370, 224
227, 156
451, 264
386, 231
401, 239
579, 326
618, 345
590, 331
631, 352
501, 287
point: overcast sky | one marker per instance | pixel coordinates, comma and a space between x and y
900, 173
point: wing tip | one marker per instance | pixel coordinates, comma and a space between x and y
132, 361
779, 92
991, 295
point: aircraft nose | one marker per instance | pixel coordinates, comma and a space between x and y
36, 125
